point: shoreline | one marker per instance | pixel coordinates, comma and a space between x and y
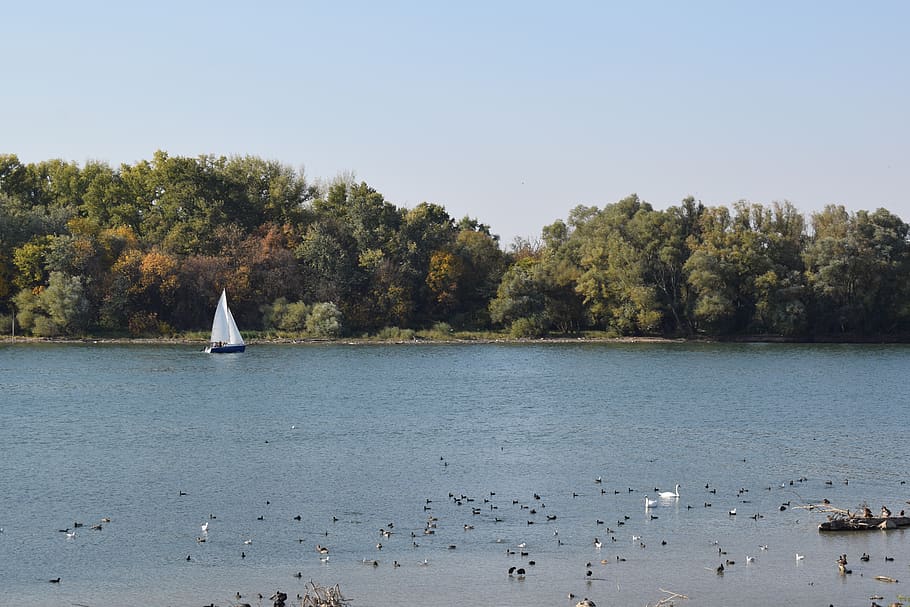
757, 339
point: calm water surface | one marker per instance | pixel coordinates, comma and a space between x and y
354, 439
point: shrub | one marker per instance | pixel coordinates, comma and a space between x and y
441, 330
396, 334
294, 317
324, 320
527, 326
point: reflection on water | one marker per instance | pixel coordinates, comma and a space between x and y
354, 439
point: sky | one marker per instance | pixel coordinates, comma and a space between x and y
509, 112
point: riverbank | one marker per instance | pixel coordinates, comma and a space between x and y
467, 338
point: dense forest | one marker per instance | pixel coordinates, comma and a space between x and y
145, 250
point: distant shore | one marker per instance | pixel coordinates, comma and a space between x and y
481, 339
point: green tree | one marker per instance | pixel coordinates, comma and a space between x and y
59, 309
520, 298
857, 268
614, 281
482, 264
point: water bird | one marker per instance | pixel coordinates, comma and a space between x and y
649, 503
321, 549
205, 527
842, 565
54, 581
597, 543
70, 535
670, 494
750, 559
799, 556
733, 512
864, 557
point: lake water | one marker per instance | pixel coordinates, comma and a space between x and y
353, 439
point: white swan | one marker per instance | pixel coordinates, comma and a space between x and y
649, 503
670, 494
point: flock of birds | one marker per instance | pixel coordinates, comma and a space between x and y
426, 535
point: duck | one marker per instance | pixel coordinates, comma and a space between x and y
670, 494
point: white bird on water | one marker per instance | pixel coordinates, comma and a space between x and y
670, 494
649, 503
799, 556
205, 527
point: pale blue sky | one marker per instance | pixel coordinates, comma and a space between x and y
511, 112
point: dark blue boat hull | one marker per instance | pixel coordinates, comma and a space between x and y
225, 349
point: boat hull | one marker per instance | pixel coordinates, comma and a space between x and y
227, 349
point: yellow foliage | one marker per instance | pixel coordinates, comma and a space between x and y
443, 275
159, 269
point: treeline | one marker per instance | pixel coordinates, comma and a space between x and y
145, 249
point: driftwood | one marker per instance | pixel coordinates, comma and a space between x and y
846, 520
667, 601
323, 596
885, 578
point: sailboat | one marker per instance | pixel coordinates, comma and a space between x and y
225, 334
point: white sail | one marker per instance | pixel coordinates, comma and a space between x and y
224, 329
